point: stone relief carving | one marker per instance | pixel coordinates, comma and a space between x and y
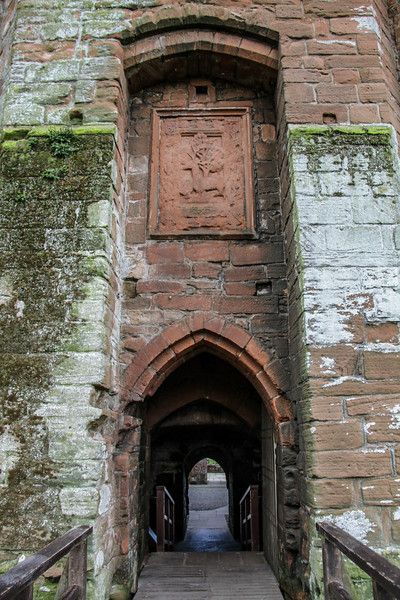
201, 180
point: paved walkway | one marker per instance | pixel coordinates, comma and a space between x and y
207, 576
207, 531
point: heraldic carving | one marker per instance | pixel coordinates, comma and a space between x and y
201, 180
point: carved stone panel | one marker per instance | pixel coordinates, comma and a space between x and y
201, 173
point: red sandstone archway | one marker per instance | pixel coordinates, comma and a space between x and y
189, 40
152, 365
247, 19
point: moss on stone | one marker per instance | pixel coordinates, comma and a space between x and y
44, 245
302, 131
45, 590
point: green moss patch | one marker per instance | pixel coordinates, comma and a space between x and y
49, 178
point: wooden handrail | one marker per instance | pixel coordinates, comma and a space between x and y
385, 576
165, 519
18, 582
250, 519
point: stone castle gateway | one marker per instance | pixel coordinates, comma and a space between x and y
200, 239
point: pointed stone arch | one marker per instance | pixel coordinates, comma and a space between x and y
178, 342
258, 22
178, 41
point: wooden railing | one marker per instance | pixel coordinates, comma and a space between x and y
165, 519
17, 584
250, 519
385, 576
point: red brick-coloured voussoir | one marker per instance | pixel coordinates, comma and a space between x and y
163, 354
172, 42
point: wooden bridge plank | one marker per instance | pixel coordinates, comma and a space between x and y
207, 576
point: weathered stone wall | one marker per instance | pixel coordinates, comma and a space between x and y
345, 327
337, 59
394, 13
168, 279
63, 63
198, 475
7, 18
56, 305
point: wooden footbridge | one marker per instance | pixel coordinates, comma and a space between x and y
243, 575
207, 576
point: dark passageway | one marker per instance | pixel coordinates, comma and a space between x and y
207, 528
205, 408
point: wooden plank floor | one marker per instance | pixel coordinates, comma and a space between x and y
207, 576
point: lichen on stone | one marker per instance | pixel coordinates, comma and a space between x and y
48, 180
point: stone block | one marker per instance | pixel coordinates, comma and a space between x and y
23, 111
345, 435
325, 493
81, 368
379, 365
381, 491
351, 463
354, 239
81, 502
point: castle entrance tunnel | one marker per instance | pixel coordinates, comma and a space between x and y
206, 408
204, 252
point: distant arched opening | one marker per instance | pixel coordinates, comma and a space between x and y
208, 493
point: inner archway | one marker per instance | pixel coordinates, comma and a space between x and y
208, 510
160, 388
206, 408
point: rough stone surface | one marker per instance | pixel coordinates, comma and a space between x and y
308, 309
347, 270
52, 355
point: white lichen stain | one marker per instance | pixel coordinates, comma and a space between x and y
99, 561
330, 42
105, 498
9, 454
368, 24
327, 365
396, 514
381, 347
367, 426
355, 522
395, 412
19, 307
343, 379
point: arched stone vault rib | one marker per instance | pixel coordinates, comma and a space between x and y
256, 22
160, 357
189, 40
217, 393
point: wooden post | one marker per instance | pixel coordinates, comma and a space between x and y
380, 593
72, 594
77, 568
254, 518
173, 523
26, 594
332, 564
160, 518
